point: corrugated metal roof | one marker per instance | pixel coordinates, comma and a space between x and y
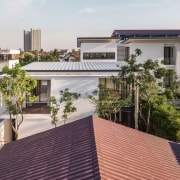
74, 66
167, 32
125, 153
91, 148
65, 152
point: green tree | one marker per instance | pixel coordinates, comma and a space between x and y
55, 53
172, 90
54, 108
15, 87
165, 119
107, 102
28, 58
65, 102
147, 81
143, 80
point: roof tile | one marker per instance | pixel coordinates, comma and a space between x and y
91, 148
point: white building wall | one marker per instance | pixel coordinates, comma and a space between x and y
5, 132
13, 63
83, 85
99, 47
177, 68
154, 51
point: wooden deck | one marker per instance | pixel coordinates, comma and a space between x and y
37, 109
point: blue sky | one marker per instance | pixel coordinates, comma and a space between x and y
62, 21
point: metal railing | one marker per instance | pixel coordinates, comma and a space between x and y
169, 61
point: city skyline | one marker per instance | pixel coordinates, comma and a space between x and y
61, 22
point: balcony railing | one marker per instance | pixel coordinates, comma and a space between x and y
169, 61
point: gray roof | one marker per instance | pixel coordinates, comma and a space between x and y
74, 66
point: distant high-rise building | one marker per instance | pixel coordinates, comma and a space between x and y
32, 40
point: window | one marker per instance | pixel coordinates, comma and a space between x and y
44, 85
168, 56
127, 52
99, 55
117, 85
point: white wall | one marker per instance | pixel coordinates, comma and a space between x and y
13, 62
5, 132
154, 51
178, 59
99, 47
83, 85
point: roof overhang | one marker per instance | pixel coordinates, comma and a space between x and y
164, 40
96, 40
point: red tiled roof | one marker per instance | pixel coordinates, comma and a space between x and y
91, 148
125, 153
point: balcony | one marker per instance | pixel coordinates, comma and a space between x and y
169, 61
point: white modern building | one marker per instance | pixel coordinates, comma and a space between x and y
161, 45
8, 57
80, 77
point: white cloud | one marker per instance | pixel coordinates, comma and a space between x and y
87, 10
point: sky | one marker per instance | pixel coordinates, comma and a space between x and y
62, 21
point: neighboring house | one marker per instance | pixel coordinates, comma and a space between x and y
102, 49
91, 148
80, 77
69, 57
8, 57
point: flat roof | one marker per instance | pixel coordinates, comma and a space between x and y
73, 66
96, 40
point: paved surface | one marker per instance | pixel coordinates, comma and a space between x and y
35, 123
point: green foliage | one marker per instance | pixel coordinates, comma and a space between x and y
173, 91
107, 102
15, 87
54, 108
65, 102
156, 112
67, 98
165, 120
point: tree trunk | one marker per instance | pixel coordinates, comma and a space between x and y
148, 118
15, 131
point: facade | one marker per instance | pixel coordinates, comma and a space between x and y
32, 40
166, 50
162, 45
80, 77
98, 49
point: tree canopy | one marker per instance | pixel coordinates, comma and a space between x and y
15, 88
